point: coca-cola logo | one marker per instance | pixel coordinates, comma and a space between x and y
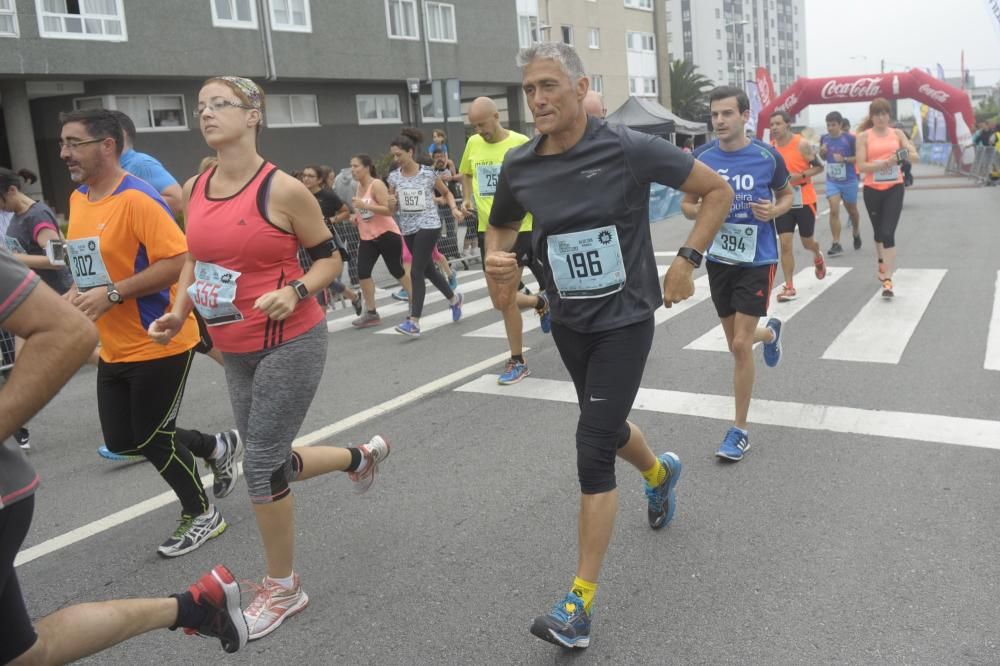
937, 95
787, 105
867, 86
765, 87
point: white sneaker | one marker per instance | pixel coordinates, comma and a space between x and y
271, 605
193, 532
375, 451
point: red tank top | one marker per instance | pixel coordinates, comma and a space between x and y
236, 245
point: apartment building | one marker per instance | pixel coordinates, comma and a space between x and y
341, 76
729, 39
617, 40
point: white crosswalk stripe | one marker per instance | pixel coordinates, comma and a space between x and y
808, 289
881, 331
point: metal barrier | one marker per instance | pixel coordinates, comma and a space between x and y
985, 162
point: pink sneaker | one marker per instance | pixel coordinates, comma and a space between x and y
271, 605
375, 451
219, 594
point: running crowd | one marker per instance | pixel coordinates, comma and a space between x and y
245, 279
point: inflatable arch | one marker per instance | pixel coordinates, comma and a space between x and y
914, 84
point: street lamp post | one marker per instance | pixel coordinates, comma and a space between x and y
736, 69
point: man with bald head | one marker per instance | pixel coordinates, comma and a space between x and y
480, 171
593, 104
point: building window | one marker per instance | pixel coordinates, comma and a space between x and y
717, 13
595, 38
150, 113
440, 22
71, 19
8, 19
597, 83
720, 76
291, 15
234, 14
640, 41
401, 19
640, 4
718, 34
527, 30
292, 111
642, 86
567, 34
718, 54
378, 109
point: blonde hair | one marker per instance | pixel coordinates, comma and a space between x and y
248, 92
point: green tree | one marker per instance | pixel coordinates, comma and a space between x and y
689, 90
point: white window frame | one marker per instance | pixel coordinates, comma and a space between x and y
643, 36
219, 22
597, 83
379, 121
428, 119
271, 100
532, 20
594, 38
48, 34
416, 20
291, 27
111, 102
12, 13
428, 6
572, 34
644, 5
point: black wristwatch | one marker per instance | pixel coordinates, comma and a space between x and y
114, 295
691, 254
301, 290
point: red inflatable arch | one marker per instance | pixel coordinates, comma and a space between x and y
914, 84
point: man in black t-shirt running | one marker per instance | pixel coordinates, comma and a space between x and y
587, 185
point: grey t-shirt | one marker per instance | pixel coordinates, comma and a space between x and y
415, 194
581, 200
22, 237
17, 478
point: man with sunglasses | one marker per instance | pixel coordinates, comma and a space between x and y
125, 255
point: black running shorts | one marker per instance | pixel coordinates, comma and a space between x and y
743, 289
804, 217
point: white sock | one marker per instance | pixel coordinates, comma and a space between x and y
744, 432
220, 447
363, 465
287, 583
454, 299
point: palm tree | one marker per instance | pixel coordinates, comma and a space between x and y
688, 90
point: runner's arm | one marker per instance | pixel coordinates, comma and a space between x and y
58, 339
912, 153
174, 197
297, 207
716, 201
862, 156
690, 205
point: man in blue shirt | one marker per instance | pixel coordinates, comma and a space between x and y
742, 260
837, 147
148, 167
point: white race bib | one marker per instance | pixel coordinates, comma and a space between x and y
796, 196
487, 176
736, 243
587, 264
86, 263
890, 174
836, 171
412, 200
213, 292
14, 246
364, 213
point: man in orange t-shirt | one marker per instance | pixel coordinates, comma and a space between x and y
802, 165
125, 254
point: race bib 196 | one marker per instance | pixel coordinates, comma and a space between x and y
86, 263
587, 264
736, 243
213, 292
836, 171
412, 200
487, 176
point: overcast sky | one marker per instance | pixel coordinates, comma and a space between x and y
853, 37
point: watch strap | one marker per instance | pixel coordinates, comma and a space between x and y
301, 290
691, 254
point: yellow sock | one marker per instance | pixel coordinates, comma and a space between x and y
656, 474
586, 591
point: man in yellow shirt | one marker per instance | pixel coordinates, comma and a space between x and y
480, 171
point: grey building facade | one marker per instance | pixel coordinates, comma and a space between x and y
341, 76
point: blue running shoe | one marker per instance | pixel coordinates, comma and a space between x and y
544, 314
734, 445
401, 295
772, 350
662, 500
513, 373
409, 328
456, 309
567, 624
108, 454
453, 280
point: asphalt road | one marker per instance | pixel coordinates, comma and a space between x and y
861, 527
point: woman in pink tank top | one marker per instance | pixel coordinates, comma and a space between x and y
245, 221
379, 235
880, 150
